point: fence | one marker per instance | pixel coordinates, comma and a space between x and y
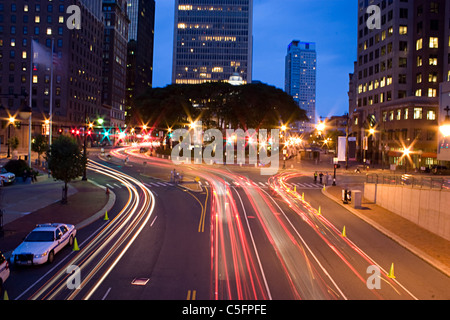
422, 200
435, 183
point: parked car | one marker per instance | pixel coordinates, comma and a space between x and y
41, 245
4, 270
6, 177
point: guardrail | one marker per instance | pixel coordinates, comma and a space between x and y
410, 180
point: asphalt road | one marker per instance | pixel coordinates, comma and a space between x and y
243, 236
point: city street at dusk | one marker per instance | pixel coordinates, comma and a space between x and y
226, 172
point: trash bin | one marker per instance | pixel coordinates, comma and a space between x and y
357, 201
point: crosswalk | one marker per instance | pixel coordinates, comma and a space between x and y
300, 186
206, 184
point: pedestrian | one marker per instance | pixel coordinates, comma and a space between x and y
315, 177
321, 177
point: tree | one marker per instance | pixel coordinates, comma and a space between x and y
39, 145
13, 143
218, 104
66, 161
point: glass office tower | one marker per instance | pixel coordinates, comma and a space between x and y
212, 40
300, 81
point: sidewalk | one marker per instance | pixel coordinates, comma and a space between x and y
31, 204
428, 246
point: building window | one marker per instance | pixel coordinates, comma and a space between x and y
432, 93
418, 113
403, 30
431, 115
434, 42
419, 44
433, 61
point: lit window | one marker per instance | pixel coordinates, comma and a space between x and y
24, 54
418, 92
432, 77
25, 8
49, 31
37, 19
403, 30
35, 79
432, 93
434, 42
433, 61
417, 113
419, 44
431, 115
389, 81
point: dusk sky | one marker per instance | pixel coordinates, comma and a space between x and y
331, 24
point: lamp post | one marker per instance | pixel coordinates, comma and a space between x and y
10, 122
26, 113
335, 163
445, 127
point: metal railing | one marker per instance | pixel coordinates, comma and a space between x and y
410, 180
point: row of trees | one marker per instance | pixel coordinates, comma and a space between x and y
218, 104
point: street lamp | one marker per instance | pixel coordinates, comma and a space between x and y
11, 122
445, 127
321, 127
26, 113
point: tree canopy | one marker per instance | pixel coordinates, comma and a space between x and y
218, 104
66, 161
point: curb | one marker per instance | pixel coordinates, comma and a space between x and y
416, 251
101, 213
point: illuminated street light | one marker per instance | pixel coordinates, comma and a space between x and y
321, 127
445, 128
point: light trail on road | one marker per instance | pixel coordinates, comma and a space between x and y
98, 257
330, 234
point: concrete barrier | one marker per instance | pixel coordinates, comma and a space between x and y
427, 208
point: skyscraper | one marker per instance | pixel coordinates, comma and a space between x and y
77, 81
212, 40
140, 50
115, 59
394, 91
300, 80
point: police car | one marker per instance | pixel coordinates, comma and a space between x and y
6, 177
41, 245
4, 270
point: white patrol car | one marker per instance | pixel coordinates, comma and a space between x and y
6, 177
41, 245
4, 270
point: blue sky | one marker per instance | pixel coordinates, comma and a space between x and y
331, 24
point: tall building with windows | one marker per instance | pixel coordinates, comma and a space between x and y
300, 80
140, 51
77, 72
212, 40
394, 90
115, 42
